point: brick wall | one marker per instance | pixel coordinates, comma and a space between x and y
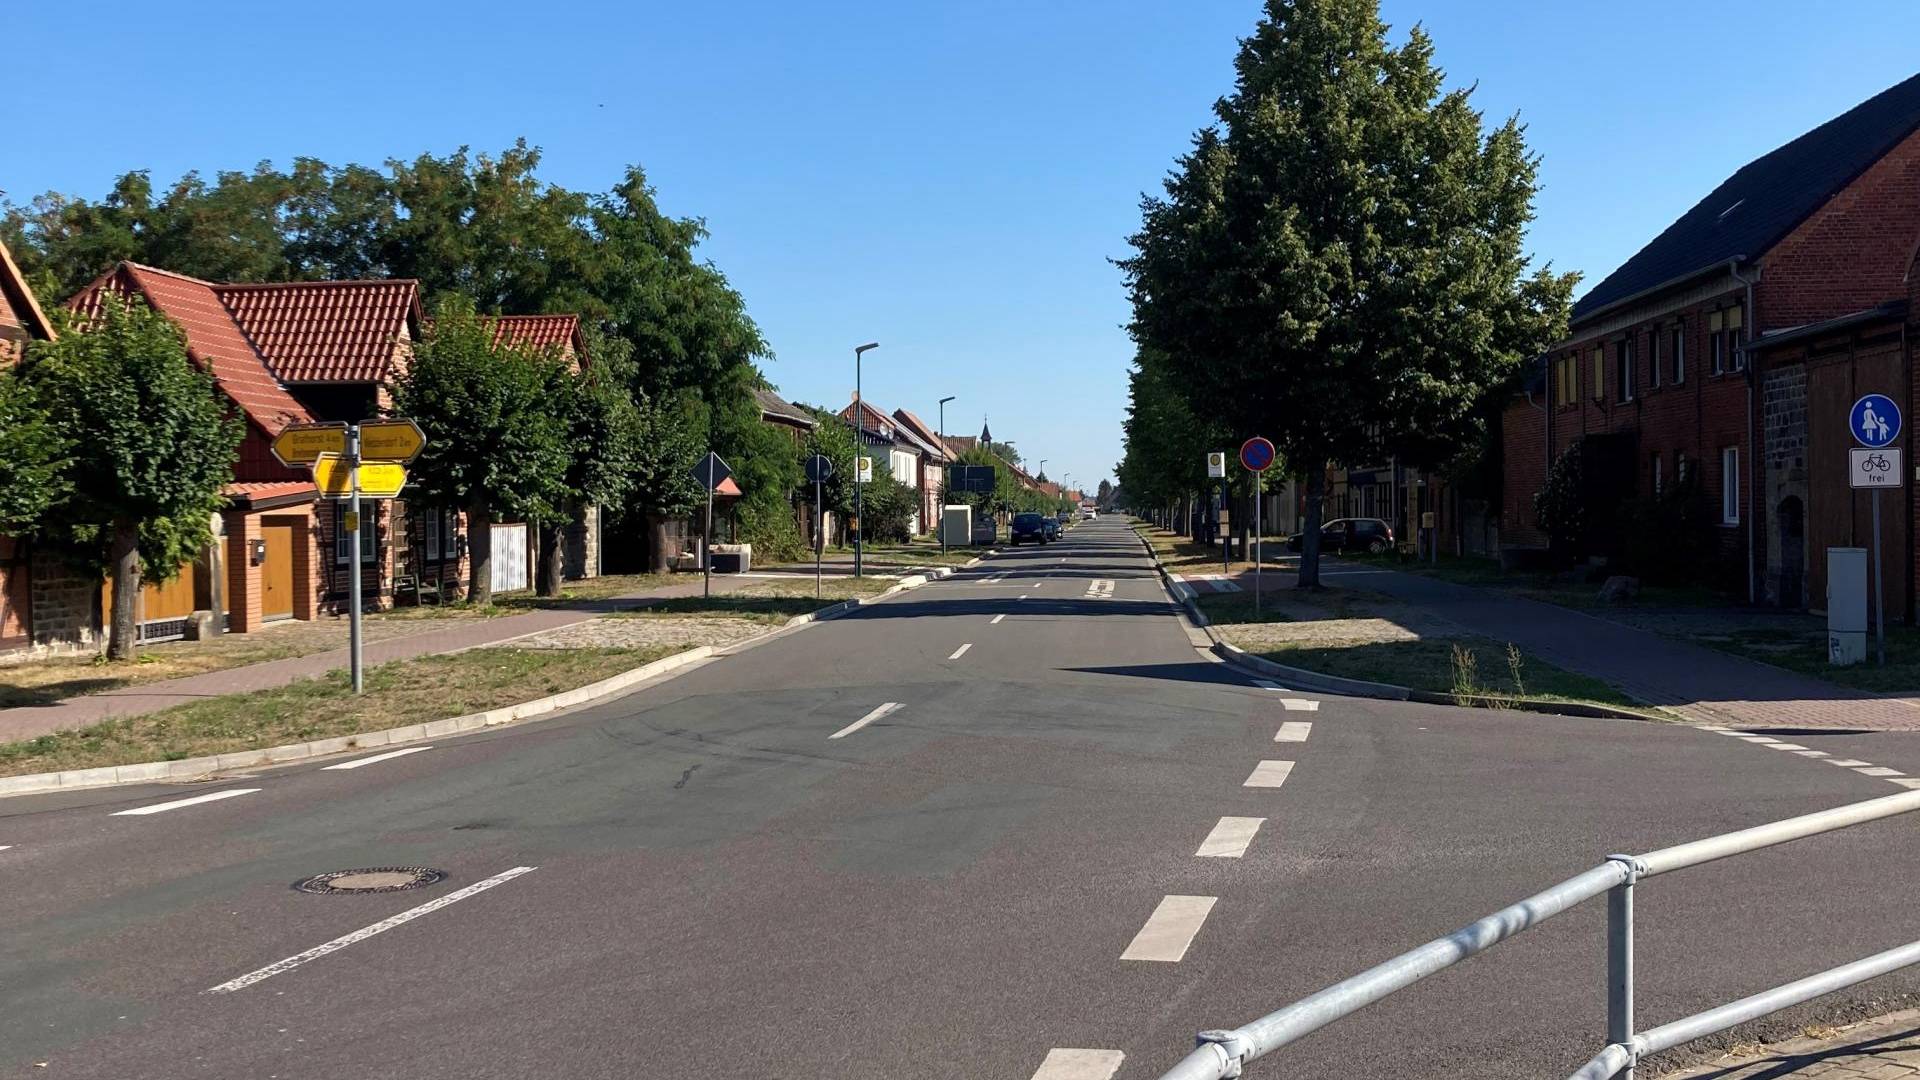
1524, 473
66, 606
1852, 253
243, 578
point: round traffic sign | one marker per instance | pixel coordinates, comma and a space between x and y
1257, 454
1875, 420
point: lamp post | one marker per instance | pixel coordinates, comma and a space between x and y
859, 444
940, 516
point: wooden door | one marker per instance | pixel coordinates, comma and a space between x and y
276, 573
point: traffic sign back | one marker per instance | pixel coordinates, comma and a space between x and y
1257, 454
1874, 420
819, 469
397, 439
301, 444
711, 472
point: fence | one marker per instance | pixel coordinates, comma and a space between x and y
1222, 1054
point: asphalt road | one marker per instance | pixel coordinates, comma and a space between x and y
720, 886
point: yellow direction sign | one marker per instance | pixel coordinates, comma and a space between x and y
302, 444
390, 440
378, 479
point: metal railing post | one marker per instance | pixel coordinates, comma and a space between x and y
1620, 960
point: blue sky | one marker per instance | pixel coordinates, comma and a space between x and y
949, 179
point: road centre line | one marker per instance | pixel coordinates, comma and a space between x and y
997, 618
1230, 838
366, 932
388, 756
1847, 763
1269, 774
1293, 731
1298, 704
1067, 1064
211, 796
1879, 770
878, 712
1810, 753
961, 651
1170, 929
1785, 746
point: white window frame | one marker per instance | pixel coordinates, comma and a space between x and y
1678, 342
1729, 485
1625, 357
369, 549
430, 542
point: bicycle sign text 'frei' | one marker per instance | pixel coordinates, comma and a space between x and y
1874, 468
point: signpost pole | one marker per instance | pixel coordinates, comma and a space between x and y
1257, 546
1226, 529
353, 566
819, 533
706, 549
1879, 596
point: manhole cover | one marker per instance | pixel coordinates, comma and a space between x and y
378, 879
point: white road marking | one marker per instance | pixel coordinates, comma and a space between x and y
1064, 1064
1879, 770
1265, 685
1758, 738
211, 796
1269, 774
996, 620
1785, 746
6, 847
366, 932
1023, 596
1299, 704
878, 712
1100, 590
1170, 929
1908, 782
1847, 762
1293, 731
1229, 838
1810, 753
1712, 728
388, 756
961, 651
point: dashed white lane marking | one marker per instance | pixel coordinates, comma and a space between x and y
388, 756
1269, 774
1170, 929
1023, 596
6, 847
1758, 738
1908, 782
1879, 770
878, 712
1293, 731
1265, 685
1299, 704
1065, 1064
1230, 838
1785, 746
996, 620
211, 796
1809, 753
366, 932
961, 651
1847, 762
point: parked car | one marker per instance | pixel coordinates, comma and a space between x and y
1091, 514
1052, 527
1027, 528
1350, 534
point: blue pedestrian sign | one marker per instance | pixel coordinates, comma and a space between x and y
1875, 420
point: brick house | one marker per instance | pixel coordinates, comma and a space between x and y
935, 456
897, 449
1726, 352
22, 320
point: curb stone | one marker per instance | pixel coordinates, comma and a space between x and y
1184, 595
189, 770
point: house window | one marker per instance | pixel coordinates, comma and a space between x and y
1623, 370
450, 534
1599, 374
1680, 466
431, 549
1736, 359
1677, 350
1730, 485
1723, 339
1658, 485
1653, 360
1716, 343
341, 552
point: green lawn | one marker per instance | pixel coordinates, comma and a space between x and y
1431, 664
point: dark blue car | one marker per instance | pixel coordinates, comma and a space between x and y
1027, 528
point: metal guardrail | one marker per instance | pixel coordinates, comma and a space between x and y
1221, 1055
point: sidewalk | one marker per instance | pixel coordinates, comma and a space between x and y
1691, 680
29, 721
1883, 1049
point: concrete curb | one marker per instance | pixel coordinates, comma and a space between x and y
1183, 594
187, 770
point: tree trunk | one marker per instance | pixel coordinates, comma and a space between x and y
1310, 528
479, 553
659, 560
124, 550
553, 555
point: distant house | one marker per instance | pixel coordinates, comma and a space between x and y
1722, 358
895, 447
935, 456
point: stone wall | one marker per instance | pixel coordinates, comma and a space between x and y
1783, 410
66, 607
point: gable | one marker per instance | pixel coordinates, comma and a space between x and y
326, 331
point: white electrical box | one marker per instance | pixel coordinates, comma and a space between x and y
956, 525
1846, 605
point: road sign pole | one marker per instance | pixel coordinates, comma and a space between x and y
706, 550
1258, 554
1879, 595
819, 533
353, 575
1226, 533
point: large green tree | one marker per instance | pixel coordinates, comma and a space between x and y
603, 444
148, 445
1338, 261
33, 456
496, 443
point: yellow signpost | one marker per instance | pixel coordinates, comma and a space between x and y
302, 444
390, 440
333, 475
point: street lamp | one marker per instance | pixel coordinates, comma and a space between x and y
859, 444
940, 515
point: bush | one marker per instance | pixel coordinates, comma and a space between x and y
1560, 507
1668, 539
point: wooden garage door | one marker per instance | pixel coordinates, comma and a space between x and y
276, 573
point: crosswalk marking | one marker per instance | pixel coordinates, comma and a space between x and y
1296, 704
1070, 1064
1170, 929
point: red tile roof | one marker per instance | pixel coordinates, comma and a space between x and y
538, 331
251, 491
214, 340
325, 331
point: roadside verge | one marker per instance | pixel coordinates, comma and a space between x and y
204, 767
